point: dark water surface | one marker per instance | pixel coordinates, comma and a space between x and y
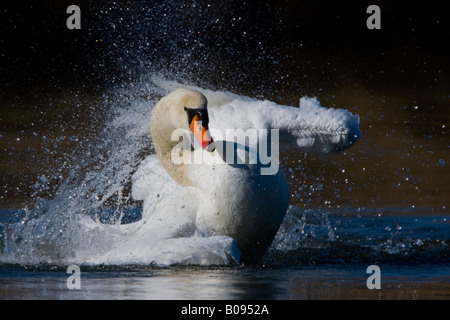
383, 202
318, 282
320, 255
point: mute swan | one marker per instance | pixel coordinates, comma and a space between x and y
236, 200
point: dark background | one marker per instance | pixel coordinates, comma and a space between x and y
308, 39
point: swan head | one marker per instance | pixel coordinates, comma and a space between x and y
184, 110
187, 109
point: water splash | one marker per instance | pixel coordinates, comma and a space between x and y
361, 236
97, 185
88, 219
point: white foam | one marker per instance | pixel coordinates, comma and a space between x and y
146, 242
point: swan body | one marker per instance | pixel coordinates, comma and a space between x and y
235, 199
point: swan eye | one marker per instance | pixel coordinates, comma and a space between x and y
202, 115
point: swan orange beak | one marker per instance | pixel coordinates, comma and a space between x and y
201, 133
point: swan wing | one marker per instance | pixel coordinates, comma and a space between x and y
310, 128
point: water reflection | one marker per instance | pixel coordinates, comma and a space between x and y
326, 282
